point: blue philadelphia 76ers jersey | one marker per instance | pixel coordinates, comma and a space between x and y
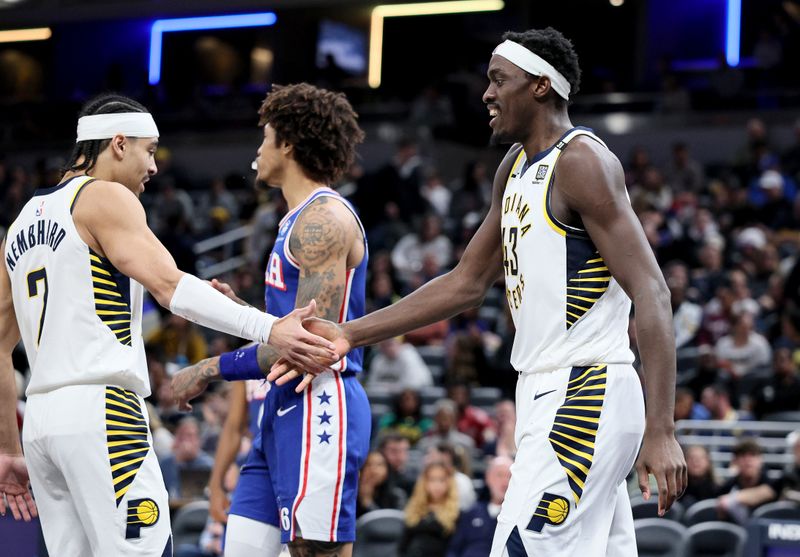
302, 471
283, 274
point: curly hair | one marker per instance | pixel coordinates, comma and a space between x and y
419, 505
107, 103
555, 48
320, 125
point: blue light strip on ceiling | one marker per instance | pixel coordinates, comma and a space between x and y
161, 26
733, 31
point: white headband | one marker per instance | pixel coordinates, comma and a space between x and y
533, 64
106, 126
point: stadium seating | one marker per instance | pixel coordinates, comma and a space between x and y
716, 539
781, 510
188, 523
657, 537
378, 533
702, 511
649, 509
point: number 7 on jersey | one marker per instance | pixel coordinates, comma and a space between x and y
33, 291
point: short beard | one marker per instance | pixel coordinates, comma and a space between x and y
498, 138
261, 185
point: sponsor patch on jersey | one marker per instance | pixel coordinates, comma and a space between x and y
541, 172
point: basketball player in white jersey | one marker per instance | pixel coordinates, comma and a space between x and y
75, 262
562, 231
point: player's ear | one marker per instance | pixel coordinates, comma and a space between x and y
540, 85
118, 145
286, 148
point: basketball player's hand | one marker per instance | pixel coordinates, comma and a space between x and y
661, 455
192, 381
14, 488
218, 503
283, 371
226, 289
301, 348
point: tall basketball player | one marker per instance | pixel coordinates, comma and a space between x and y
562, 231
299, 483
75, 262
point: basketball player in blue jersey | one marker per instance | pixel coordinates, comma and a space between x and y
562, 231
299, 483
75, 262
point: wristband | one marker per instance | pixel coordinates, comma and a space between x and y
241, 364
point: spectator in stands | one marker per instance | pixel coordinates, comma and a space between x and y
683, 172
686, 408
505, 418
707, 371
732, 293
653, 190
397, 366
790, 160
475, 527
382, 291
750, 487
375, 487
473, 194
744, 350
638, 164
406, 418
179, 341
717, 398
456, 459
170, 203
408, 254
431, 513
395, 450
444, 429
686, 316
707, 277
436, 193
789, 485
218, 195
186, 456
781, 391
472, 421
773, 194
702, 479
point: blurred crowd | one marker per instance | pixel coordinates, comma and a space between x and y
727, 236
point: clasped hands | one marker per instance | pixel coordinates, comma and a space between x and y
282, 371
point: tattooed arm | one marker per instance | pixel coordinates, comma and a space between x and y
325, 240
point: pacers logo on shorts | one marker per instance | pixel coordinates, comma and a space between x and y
142, 513
552, 510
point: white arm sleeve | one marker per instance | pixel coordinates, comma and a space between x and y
198, 302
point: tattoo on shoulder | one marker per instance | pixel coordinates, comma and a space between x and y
318, 235
320, 242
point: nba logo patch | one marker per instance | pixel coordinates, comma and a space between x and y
541, 172
40, 210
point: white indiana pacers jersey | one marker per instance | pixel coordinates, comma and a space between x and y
567, 308
79, 317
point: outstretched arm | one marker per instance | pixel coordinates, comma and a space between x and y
460, 289
591, 183
321, 241
13, 472
112, 221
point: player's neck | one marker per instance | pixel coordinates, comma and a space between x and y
297, 187
548, 127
